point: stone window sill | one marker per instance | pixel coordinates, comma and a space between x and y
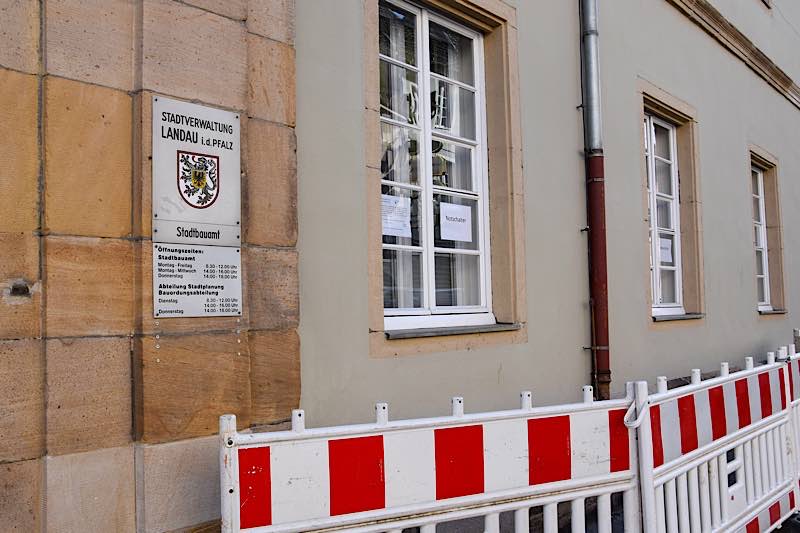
442, 332
772, 312
687, 316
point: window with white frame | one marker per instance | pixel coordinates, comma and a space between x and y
434, 177
760, 239
664, 215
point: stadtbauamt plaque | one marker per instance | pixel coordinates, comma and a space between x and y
196, 280
196, 174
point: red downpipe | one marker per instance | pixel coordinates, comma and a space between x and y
598, 274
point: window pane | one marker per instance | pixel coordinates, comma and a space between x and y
452, 165
662, 146
452, 109
757, 236
400, 161
759, 262
754, 176
756, 210
762, 293
397, 29
451, 54
666, 249
457, 280
663, 209
668, 287
398, 93
455, 222
664, 177
402, 279
401, 216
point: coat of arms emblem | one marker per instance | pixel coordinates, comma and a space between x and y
198, 178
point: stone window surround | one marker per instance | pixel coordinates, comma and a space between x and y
655, 101
768, 164
496, 20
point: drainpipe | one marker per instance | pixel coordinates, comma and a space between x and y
595, 198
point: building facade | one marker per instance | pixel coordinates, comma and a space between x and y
413, 222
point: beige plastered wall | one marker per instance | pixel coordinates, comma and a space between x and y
347, 365
733, 109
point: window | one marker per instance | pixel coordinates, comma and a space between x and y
434, 177
760, 239
767, 232
660, 149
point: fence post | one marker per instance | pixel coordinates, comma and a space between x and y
229, 493
631, 504
645, 438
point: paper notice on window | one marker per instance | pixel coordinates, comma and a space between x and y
396, 215
665, 246
455, 222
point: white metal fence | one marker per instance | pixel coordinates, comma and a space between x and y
714, 455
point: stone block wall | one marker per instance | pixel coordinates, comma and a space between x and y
109, 415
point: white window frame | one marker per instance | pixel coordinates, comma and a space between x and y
760, 227
658, 308
429, 315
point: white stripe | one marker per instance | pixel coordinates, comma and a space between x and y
670, 430
795, 369
775, 389
410, 467
731, 407
300, 481
755, 399
505, 454
702, 411
590, 444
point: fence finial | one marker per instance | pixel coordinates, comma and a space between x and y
382, 413
783, 353
588, 394
298, 420
697, 377
791, 350
526, 400
724, 369
770, 358
458, 406
748, 363
661, 384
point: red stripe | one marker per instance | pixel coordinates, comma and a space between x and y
791, 500
688, 421
752, 526
743, 402
716, 399
655, 425
356, 474
459, 461
255, 508
791, 378
620, 441
549, 449
774, 512
783, 388
764, 393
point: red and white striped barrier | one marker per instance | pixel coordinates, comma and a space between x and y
715, 455
303, 478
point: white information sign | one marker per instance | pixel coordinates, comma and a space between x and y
396, 215
196, 281
455, 222
196, 174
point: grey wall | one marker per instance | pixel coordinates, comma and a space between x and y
646, 38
